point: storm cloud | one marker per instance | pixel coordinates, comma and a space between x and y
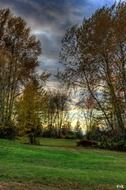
49, 20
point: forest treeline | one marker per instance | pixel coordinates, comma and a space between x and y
26, 108
93, 56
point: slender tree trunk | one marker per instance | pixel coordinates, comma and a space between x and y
98, 102
114, 99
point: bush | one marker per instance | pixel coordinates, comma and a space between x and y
8, 132
120, 146
107, 139
71, 135
113, 144
95, 133
87, 143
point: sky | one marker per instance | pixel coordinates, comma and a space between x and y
49, 19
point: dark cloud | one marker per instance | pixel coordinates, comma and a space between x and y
49, 20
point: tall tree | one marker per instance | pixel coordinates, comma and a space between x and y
29, 108
94, 57
57, 111
18, 59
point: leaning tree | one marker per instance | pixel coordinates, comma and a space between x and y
94, 56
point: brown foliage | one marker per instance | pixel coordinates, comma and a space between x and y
18, 59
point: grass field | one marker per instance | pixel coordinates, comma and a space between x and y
59, 164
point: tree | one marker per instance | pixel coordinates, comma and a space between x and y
94, 58
29, 109
78, 130
57, 111
18, 60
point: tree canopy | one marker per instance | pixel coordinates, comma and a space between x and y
93, 55
19, 51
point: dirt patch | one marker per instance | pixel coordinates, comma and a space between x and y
20, 186
34, 186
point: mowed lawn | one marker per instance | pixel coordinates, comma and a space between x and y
59, 164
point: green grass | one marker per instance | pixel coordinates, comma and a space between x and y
59, 163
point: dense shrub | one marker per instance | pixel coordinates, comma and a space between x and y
9, 131
71, 135
87, 143
96, 134
106, 139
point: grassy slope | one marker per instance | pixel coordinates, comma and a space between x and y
62, 166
